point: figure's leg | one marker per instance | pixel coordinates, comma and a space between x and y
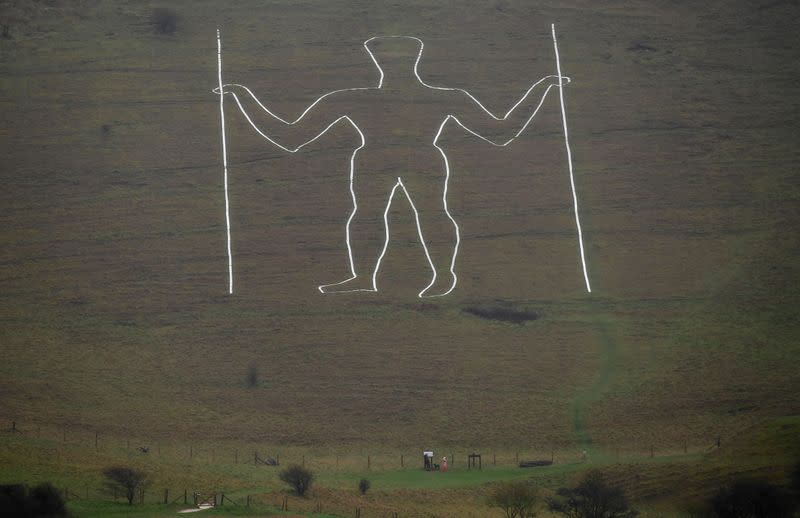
437, 229
367, 234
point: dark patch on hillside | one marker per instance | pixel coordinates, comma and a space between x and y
164, 21
502, 314
641, 47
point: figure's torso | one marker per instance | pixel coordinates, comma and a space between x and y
407, 117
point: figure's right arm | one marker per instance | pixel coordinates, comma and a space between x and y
289, 135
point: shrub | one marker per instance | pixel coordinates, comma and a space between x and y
252, 376
516, 498
795, 479
126, 480
42, 500
164, 21
363, 486
592, 498
751, 499
298, 478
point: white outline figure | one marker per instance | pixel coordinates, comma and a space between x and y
225, 163
569, 161
442, 291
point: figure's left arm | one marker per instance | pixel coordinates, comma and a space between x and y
500, 130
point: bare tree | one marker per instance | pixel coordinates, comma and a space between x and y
592, 498
516, 498
298, 477
126, 480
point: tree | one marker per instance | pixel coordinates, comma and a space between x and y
363, 486
298, 478
592, 498
126, 480
751, 499
516, 498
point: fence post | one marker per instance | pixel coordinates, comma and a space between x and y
369, 462
191, 451
401, 461
185, 497
95, 440
304, 460
166, 496
236, 457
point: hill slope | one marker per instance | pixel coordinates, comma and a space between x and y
112, 265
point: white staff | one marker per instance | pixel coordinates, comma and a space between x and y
569, 160
225, 163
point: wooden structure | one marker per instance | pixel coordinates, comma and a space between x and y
427, 459
205, 501
474, 461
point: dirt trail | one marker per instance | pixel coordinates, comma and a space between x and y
581, 406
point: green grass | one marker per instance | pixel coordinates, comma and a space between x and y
660, 486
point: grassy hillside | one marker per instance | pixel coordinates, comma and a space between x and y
114, 315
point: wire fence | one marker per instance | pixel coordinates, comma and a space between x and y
81, 441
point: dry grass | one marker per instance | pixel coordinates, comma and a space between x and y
113, 315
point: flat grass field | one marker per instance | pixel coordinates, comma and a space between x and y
116, 329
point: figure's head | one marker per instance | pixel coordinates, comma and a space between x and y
395, 56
